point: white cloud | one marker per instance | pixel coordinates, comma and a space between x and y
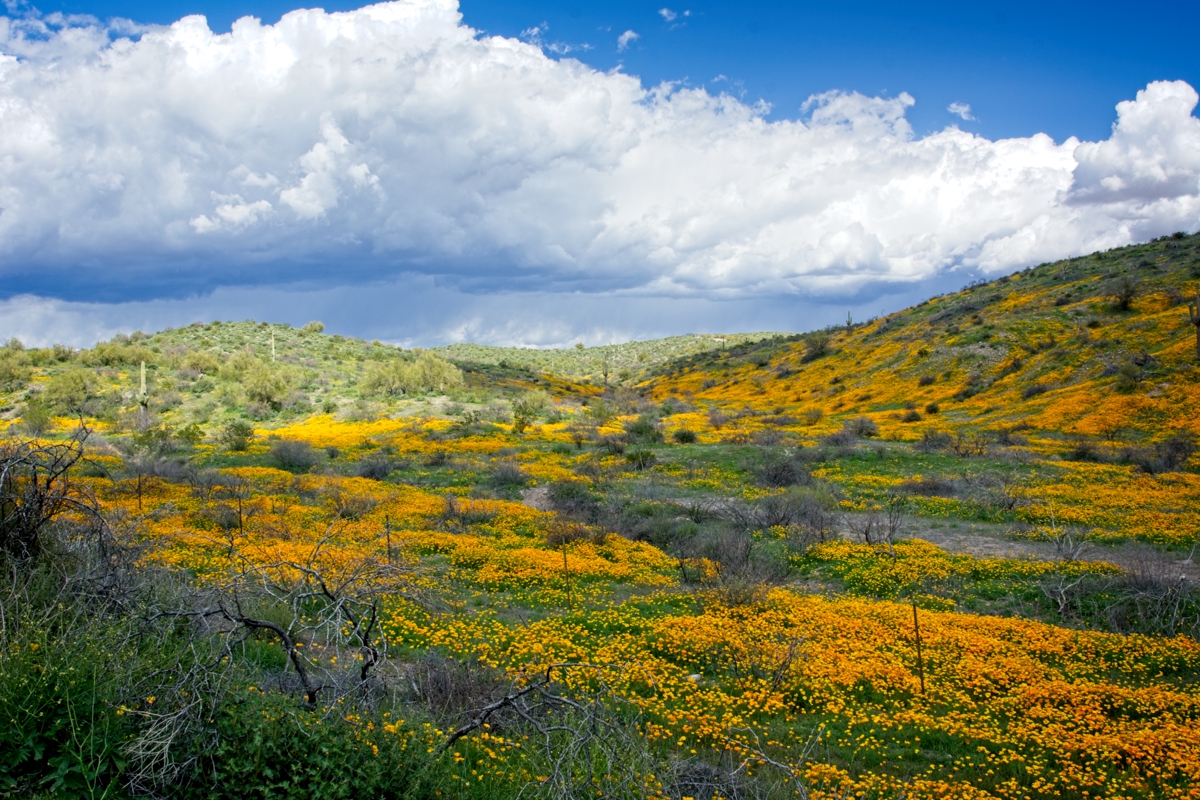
962, 110
667, 14
625, 39
393, 139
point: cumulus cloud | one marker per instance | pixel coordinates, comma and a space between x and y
625, 39
352, 147
962, 110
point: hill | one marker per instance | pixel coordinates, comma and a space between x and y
946, 553
622, 362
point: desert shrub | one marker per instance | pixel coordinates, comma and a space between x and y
1123, 293
314, 326
203, 362
68, 392
527, 409
926, 380
932, 408
293, 456
1084, 450
36, 417
237, 365
267, 745
611, 445
644, 429
862, 426
15, 370
508, 474
912, 415
812, 416
783, 473
399, 376
934, 442
816, 344
1034, 390
574, 499
684, 436
376, 466
111, 354
236, 435
266, 384
1128, 376
928, 487
641, 458
841, 438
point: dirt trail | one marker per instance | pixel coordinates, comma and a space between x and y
993, 541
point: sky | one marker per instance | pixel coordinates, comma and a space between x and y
538, 173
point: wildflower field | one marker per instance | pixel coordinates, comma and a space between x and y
949, 553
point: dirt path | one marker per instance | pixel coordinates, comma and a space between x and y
983, 540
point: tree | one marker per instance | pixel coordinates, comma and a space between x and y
1124, 293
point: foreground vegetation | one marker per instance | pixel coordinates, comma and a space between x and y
948, 553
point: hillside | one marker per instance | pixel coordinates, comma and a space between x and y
949, 553
623, 362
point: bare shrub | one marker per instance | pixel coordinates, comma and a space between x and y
293, 456
508, 474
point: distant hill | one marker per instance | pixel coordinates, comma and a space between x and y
1098, 346
622, 361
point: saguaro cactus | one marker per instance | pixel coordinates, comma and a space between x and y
143, 399
1194, 318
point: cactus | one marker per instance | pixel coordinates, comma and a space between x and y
143, 399
1194, 318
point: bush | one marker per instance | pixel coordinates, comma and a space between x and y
1034, 390
376, 467
934, 442
527, 409
266, 384
267, 745
641, 458
926, 380
816, 344
293, 456
812, 416
784, 473
67, 392
911, 416
932, 408
644, 429
862, 426
1124, 293
236, 435
15, 371
684, 436
399, 376
509, 474
36, 418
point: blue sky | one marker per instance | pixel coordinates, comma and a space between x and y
703, 166
1023, 67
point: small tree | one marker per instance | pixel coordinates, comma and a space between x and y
1124, 293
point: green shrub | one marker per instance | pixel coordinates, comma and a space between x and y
67, 392
236, 435
398, 376
269, 747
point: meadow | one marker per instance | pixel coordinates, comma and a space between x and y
947, 553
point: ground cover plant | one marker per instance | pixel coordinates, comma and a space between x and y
947, 553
